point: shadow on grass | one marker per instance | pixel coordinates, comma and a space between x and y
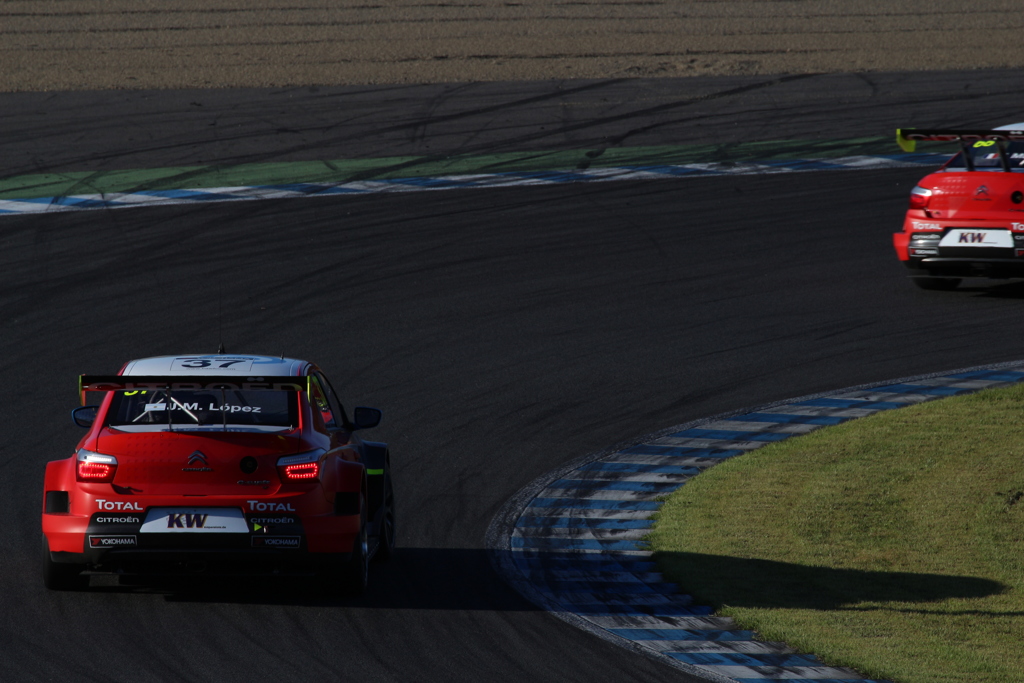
739, 582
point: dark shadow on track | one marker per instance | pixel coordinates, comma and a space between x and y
416, 579
1002, 290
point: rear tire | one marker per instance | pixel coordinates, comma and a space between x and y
355, 574
944, 284
386, 539
59, 576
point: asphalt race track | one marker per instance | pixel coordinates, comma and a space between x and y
503, 332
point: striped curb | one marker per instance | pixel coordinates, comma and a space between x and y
140, 198
572, 541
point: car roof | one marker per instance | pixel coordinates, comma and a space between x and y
217, 364
1012, 126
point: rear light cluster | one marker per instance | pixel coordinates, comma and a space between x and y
309, 470
919, 198
301, 467
95, 467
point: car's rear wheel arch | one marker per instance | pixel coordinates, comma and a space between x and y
61, 576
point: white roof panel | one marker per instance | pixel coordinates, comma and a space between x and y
216, 364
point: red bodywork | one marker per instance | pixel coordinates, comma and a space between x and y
285, 520
957, 203
967, 221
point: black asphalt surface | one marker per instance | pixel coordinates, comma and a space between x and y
503, 332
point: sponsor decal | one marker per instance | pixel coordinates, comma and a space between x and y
272, 520
118, 520
917, 225
257, 506
293, 542
187, 520
198, 520
184, 405
111, 541
965, 237
1016, 226
104, 504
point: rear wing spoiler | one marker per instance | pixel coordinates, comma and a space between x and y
907, 139
133, 383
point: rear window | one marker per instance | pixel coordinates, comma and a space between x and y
985, 154
143, 411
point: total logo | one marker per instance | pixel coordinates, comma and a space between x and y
1016, 226
256, 506
926, 226
104, 504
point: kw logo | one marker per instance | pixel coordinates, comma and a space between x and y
972, 237
183, 520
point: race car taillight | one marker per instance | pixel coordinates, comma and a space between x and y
309, 470
919, 197
95, 467
301, 467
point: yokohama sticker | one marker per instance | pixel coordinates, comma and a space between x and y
292, 542
111, 541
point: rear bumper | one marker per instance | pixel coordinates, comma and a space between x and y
273, 534
930, 247
966, 267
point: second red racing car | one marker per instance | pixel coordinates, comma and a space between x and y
218, 464
967, 218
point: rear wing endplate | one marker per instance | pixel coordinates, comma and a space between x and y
88, 383
907, 138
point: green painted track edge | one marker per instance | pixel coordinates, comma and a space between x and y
64, 184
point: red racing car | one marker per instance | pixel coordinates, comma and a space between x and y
967, 218
218, 464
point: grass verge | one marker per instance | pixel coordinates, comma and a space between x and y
891, 544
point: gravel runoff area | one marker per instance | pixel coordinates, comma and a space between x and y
98, 44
